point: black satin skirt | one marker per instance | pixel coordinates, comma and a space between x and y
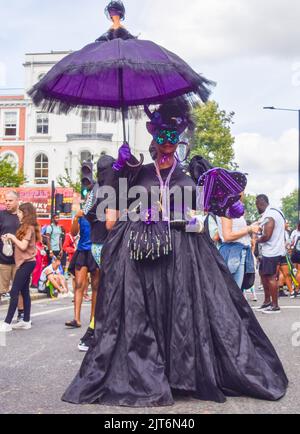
177, 324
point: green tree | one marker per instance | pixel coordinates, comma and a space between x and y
251, 211
289, 206
9, 175
212, 138
66, 181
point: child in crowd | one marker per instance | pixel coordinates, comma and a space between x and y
52, 281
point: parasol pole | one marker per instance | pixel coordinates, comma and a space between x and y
124, 115
124, 126
121, 90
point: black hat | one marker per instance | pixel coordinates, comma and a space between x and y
175, 114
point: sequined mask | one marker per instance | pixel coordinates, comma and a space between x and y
167, 136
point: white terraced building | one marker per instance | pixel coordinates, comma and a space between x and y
54, 144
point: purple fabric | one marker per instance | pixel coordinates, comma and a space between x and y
115, 74
222, 190
236, 210
114, 12
124, 156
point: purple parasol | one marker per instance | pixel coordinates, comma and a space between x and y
117, 74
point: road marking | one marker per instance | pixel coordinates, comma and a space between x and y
48, 312
34, 303
281, 307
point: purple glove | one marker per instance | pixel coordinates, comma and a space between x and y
236, 211
123, 157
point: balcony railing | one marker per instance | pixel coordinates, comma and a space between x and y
102, 137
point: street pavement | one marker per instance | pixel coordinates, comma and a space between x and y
37, 365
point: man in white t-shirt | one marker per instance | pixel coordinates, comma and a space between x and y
272, 241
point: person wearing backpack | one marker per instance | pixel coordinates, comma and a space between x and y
54, 238
273, 248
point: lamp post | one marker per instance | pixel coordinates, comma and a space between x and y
52, 199
298, 111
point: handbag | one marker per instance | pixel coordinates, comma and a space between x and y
7, 249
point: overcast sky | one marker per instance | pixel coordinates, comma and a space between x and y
249, 47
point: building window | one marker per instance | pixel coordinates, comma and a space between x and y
85, 156
41, 169
89, 122
10, 124
42, 123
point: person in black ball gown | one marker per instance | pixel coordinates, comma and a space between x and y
171, 320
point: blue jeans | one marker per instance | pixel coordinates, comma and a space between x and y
240, 273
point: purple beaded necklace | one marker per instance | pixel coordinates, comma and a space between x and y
165, 191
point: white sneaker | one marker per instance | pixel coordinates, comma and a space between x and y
22, 325
64, 295
271, 310
5, 328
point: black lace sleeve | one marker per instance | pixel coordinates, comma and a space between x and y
131, 173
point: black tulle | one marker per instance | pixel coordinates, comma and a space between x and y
106, 114
114, 34
67, 85
56, 104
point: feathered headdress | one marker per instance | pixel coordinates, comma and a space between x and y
174, 114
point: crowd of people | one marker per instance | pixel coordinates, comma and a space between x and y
268, 246
186, 272
48, 259
168, 313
